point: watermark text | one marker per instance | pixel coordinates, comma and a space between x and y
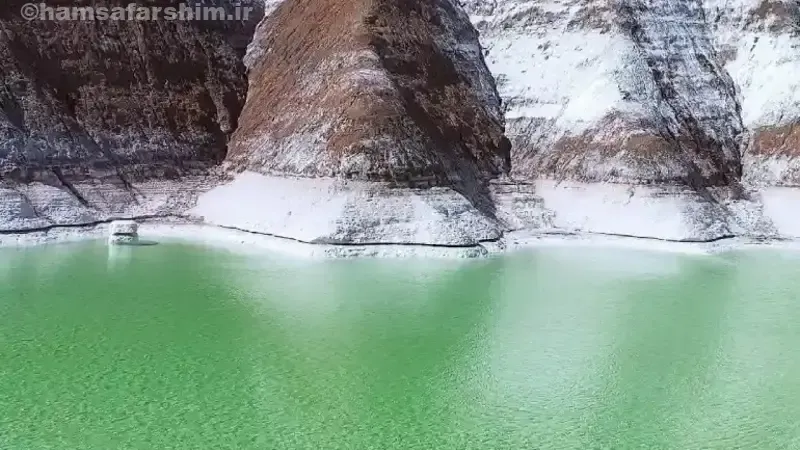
136, 12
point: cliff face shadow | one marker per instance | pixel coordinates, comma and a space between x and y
478, 194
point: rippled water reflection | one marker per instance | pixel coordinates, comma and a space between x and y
177, 346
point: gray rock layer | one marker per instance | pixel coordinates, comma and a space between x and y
25, 207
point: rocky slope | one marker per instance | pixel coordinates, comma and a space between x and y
622, 91
760, 41
680, 101
93, 110
376, 100
361, 122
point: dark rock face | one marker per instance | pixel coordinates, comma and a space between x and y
120, 99
373, 90
698, 113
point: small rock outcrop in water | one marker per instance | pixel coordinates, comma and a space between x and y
388, 95
123, 232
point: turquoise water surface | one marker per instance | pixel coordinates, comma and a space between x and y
185, 347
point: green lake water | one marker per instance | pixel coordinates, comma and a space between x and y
182, 347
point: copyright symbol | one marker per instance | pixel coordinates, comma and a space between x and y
30, 11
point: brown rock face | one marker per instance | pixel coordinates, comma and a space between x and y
377, 90
777, 141
85, 99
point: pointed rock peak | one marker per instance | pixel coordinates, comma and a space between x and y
373, 90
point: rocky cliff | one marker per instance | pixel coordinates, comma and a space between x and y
437, 122
100, 106
117, 95
618, 90
760, 41
680, 101
635, 90
382, 94
372, 90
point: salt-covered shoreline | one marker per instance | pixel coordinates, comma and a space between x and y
318, 217
213, 236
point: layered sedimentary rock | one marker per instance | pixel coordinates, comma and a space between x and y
98, 115
385, 111
759, 41
678, 101
364, 122
617, 90
373, 90
254, 50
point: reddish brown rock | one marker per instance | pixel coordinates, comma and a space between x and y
374, 90
87, 99
773, 157
777, 141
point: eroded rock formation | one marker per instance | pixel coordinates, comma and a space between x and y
644, 90
98, 106
149, 98
378, 121
614, 90
389, 90
389, 104
698, 95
